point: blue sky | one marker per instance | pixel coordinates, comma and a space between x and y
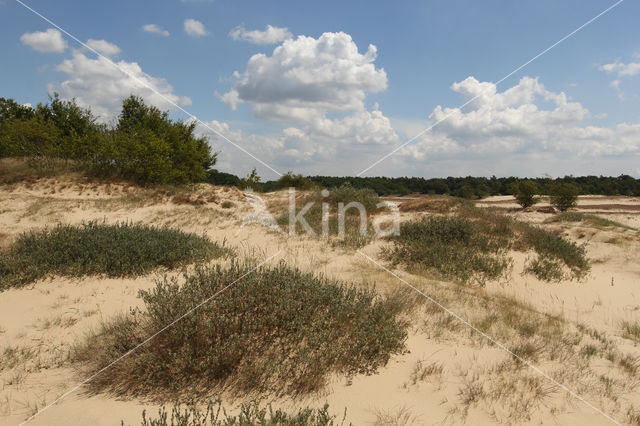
327, 103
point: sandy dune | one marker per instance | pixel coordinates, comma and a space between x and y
47, 317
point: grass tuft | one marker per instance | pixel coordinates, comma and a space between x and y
250, 414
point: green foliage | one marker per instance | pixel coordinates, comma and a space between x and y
148, 147
473, 247
525, 192
215, 177
14, 170
118, 250
480, 186
274, 329
454, 247
145, 146
297, 181
564, 196
345, 194
60, 129
588, 219
554, 252
252, 181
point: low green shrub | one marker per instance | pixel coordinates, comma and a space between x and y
454, 247
554, 252
275, 330
473, 246
588, 219
250, 414
118, 250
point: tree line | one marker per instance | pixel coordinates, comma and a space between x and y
143, 145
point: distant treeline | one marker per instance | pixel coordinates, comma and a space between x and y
144, 145
465, 187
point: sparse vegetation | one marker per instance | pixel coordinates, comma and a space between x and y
454, 247
353, 237
118, 250
631, 330
435, 204
277, 330
554, 254
473, 246
250, 414
588, 219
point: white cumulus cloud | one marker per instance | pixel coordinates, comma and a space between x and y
304, 77
270, 35
524, 119
48, 41
155, 29
194, 28
98, 84
103, 47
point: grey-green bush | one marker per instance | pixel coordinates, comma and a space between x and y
275, 330
118, 250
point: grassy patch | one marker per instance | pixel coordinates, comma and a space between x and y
118, 250
473, 246
250, 414
554, 255
631, 330
435, 204
14, 170
454, 247
277, 330
587, 219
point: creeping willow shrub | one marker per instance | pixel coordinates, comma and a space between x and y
473, 247
275, 330
117, 250
454, 247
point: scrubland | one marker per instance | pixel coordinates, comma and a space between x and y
476, 313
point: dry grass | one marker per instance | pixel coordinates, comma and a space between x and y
434, 204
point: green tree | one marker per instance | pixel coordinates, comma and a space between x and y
525, 192
252, 181
564, 195
297, 181
148, 147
